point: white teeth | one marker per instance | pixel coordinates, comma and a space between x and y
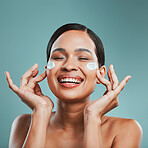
72, 80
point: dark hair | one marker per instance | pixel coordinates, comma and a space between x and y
74, 26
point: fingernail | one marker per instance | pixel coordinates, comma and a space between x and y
35, 64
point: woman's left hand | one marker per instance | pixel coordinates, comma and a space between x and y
97, 108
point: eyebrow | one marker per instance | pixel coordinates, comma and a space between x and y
77, 50
59, 49
82, 50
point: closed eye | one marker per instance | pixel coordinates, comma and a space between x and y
84, 59
58, 58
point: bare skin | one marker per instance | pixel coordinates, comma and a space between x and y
78, 122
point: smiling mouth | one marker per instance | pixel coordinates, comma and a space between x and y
70, 82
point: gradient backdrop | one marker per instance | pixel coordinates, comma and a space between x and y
122, 25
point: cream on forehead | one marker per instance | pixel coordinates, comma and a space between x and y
50, 64
92, 66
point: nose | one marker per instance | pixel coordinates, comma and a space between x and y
69, 65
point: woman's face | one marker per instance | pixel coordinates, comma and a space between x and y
70, 78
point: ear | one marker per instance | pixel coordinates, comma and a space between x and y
102, 71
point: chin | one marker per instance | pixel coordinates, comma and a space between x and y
72, 99
72, 96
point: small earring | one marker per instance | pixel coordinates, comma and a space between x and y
102, 70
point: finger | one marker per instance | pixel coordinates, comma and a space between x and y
10, 82
105, 100
104, 81
37, 79
27, 97
110, 79
113, 76
24, 78
111, 105
41, 77
114, 93
35, 73
37, 90
122, 85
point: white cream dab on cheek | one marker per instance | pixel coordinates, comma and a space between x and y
50, 64
92, 66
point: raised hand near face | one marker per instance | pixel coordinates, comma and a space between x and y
109, 100
30, 91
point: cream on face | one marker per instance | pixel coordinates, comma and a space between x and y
50, 64
92, 66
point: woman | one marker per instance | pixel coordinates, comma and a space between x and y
75, 57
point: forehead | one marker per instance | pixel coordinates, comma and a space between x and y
74, 39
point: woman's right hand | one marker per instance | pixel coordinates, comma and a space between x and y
30, 91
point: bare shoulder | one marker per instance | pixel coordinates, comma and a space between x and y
124, 123
19, 130
22, 120
23, 117
128, 132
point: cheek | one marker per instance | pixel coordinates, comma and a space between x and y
52, 70
89, 69
51, 79
92, 66
90, 76
50, 64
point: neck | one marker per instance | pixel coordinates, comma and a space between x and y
70, 116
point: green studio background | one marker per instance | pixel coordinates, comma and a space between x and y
26, 26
